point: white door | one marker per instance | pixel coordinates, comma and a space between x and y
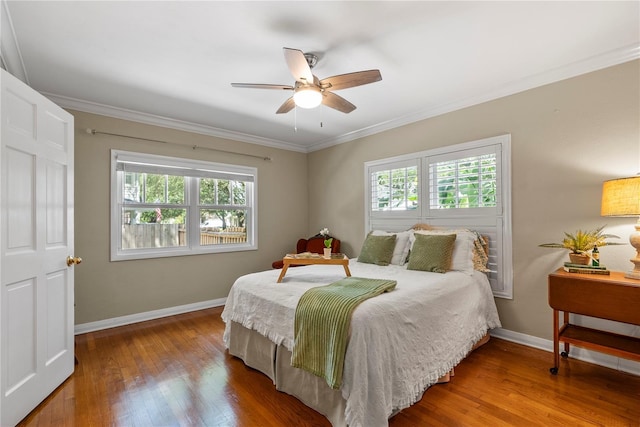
36, 235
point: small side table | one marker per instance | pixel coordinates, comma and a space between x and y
611, 297
336, 259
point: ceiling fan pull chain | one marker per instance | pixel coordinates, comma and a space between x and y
295, 119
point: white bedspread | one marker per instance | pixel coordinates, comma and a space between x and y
401, 342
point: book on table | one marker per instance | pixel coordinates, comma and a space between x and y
586, 270
572, 265
313, 255
304, 255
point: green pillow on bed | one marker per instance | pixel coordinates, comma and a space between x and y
432, 252
377, 249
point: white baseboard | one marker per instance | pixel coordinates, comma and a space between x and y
605, 360
595, 357
148, 315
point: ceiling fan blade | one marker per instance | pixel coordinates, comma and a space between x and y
298, 65
344, 81
287, 106
337, 102
261, 86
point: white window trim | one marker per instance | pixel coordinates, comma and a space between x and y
497, 224
201, 169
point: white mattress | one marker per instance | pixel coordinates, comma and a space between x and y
401, 342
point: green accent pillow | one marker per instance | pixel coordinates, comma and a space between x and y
432, 252
377, 249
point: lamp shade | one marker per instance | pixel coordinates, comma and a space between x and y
621, 197
307, 97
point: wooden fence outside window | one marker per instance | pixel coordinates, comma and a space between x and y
137, 236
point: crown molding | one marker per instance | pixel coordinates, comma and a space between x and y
10, 55
595, 63
167, 122
609, 59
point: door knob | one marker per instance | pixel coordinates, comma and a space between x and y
73, 260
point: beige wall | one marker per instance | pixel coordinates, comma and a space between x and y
567, 138
105, 289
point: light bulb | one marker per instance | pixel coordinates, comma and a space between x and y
307, 97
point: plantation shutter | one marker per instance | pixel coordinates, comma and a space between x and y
465, 183
394, 187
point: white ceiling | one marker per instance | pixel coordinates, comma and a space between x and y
172, 62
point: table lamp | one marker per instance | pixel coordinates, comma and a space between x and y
621, 197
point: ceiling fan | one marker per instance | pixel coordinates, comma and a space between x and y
308, 90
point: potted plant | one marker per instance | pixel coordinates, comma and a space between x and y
581, 242
327, 242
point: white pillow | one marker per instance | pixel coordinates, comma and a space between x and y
462, 258
401, 250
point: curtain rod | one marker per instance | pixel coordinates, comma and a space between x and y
194, 147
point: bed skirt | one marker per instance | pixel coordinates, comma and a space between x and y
260, 353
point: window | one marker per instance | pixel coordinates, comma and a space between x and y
394, 187
163, 206
464, 185
464, 182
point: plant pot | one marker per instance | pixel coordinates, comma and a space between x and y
327, 252
581, 259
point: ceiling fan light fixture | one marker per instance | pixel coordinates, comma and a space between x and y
307, 97
309, 91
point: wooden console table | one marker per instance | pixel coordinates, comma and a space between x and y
296, 260
612, 297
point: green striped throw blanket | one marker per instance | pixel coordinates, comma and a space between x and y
322, 320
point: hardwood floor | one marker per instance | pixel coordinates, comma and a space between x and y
176, 372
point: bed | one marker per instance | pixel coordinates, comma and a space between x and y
400, 342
